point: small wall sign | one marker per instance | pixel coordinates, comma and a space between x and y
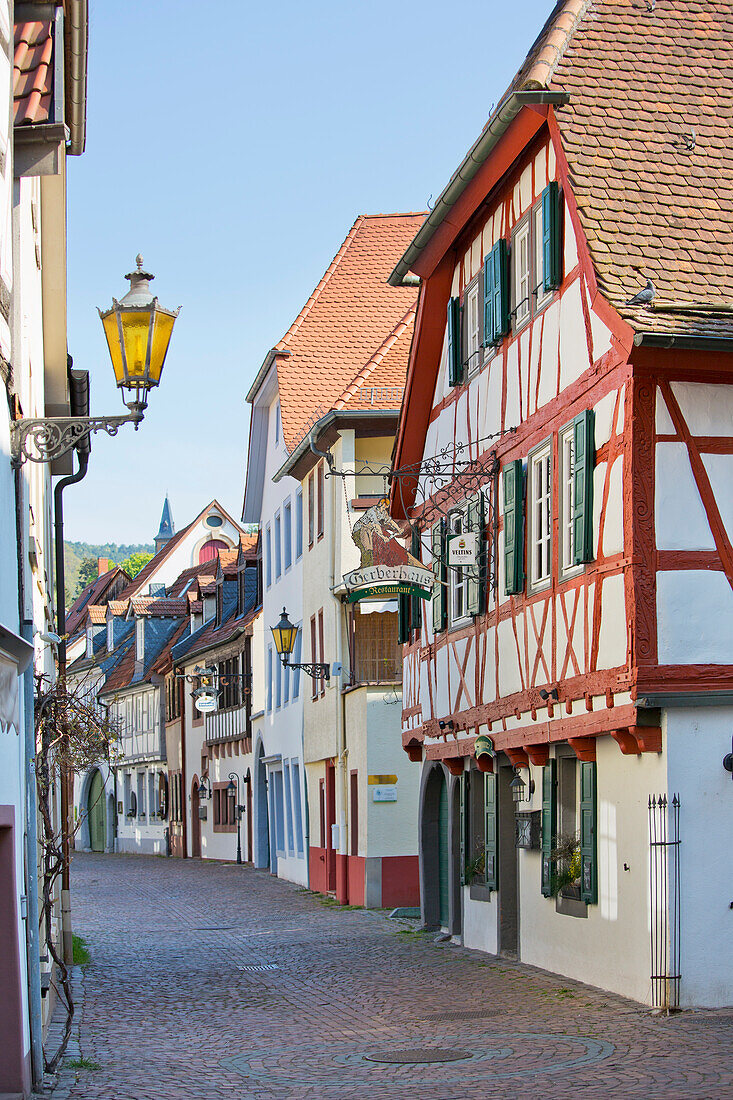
386, 793
462, 549
206, 703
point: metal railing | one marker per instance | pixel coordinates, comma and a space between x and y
664, 898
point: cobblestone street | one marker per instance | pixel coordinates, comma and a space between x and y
209, 980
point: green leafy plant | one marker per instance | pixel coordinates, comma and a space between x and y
566, 862
82, 1063
81, 952
474, 868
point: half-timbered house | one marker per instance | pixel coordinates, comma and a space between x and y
569, 695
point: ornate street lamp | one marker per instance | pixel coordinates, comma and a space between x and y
233, 793
284, 636
138, 332
517, 787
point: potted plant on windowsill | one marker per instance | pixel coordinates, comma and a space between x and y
474, 868
565, 858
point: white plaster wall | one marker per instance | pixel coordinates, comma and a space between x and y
697, 738
481, 922
609, 948
392, 826
679, 517
694, 617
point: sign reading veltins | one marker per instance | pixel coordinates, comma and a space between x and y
462, 548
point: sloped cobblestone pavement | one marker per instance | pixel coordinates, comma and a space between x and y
177, 1005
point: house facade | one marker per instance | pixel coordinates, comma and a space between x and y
42, 123
320, 740
566, 696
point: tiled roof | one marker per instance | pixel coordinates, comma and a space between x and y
210, 635
344, 324
33, 71
118, 607
647, 137
92, 594
97, 613
158, 605
160, 634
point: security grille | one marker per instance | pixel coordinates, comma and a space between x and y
664, 895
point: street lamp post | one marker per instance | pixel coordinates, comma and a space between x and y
138, 332
233, 792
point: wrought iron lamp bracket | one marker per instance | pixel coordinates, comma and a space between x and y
310, 669
46, 439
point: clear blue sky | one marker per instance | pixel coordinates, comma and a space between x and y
234, 144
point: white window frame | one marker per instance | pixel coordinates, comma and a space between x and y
277, 422
269, 679
278, 547
268, 556
540, 295
522, 273
287, 535
90, 642
539, 517
299, 524
567, 535
457, 576
473, 329
110, 635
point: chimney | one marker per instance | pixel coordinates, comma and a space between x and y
102, 566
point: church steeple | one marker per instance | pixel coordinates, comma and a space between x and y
167, 527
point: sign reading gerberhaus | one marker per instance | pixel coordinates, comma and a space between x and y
387, 569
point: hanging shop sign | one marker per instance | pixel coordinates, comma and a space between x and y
462, 548
206, 702
386, 569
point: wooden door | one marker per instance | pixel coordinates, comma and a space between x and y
195, 821
96, 812
443, 854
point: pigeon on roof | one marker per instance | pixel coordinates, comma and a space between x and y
645, 296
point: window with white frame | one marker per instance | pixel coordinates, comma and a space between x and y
457, 576
299, 524
110, 635
539, 516
541, 296
269, 677
473, 329
268, 556
288, 807
567, 500
277, 422
287, 535
278, 546
90, 642
140, 639
297, 813
278, 684
296, 661
521, 272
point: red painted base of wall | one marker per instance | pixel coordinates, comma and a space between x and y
317, 869
355, 879
400, 881
400, 878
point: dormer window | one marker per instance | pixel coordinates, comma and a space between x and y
140, 639
110, 634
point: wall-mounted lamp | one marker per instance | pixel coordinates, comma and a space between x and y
728, 760
447, 724
284, 635
551, 694
517, 787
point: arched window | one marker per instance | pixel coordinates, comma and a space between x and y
210, 550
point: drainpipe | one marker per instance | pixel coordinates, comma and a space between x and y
66, 780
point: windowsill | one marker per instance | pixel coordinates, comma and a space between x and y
458, 624
571, 573
540, 586
571, 907
479, 891
320, 536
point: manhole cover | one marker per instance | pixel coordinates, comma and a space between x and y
419, 1054
260, 967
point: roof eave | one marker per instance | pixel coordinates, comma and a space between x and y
684, 342
479, 152
263, 372
331, 418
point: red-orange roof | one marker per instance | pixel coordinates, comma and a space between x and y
33, 71
342, 334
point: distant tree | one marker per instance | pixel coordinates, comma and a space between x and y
135, 563
87, 573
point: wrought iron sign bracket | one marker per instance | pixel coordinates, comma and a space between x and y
312, 669
49, 438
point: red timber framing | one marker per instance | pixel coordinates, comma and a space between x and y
592, 701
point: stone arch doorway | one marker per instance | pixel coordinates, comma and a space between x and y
262, 816
195, 820
435, 848
96, 813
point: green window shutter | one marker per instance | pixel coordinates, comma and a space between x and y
588, 833
475, 582
513, 477
439, 601
584, 454
500, 314
551, 238
455, 365
416, 601
491, 832
403, 619
462, 825
549, 825
488, 301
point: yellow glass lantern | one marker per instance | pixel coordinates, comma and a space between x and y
284, 635
138, 332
